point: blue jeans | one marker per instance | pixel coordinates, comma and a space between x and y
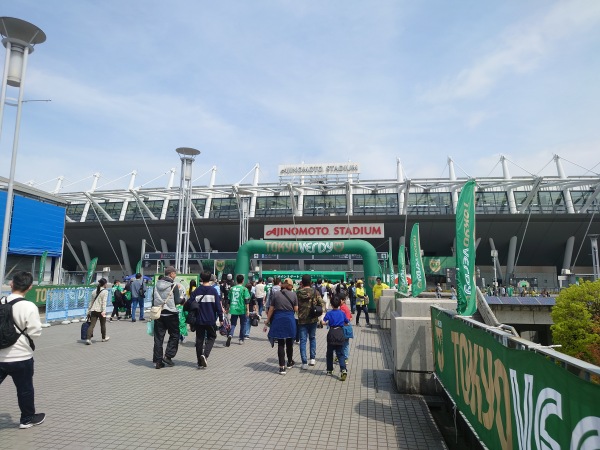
21, 373
135, 301
347, 349
308, 330
260, 302
243, 320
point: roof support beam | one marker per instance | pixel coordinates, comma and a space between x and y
100, 208
142, 204
531, 195
590, 200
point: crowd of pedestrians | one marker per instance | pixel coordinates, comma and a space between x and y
291, 315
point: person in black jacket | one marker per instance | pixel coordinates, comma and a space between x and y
205, 305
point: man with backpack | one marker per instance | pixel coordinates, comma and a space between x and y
19, 324
138, 292
309, 302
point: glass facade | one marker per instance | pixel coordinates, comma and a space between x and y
112, 208
277, 206
136, 211
324, 205
371, 204
580, 198
428, 203
75, 211
491, 202
224, 208
545, 202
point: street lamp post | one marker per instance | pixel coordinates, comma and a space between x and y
19, 38
494, 256
184, 216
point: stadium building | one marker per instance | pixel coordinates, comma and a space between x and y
542, 227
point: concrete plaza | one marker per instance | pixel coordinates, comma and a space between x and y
110, 396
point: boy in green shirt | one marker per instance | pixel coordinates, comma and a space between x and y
238, 301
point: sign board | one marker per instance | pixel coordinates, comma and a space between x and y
513, 398
291, 170
325, 231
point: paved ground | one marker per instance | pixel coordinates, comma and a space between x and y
109, 396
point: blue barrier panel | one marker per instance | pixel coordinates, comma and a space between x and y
70, 303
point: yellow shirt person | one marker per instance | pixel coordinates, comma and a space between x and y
378, 289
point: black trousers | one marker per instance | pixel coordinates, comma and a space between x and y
358, 311
285, 346
21, 373
170, 323
127, 308
115, 310
204, 333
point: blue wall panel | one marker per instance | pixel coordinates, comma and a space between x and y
36, 226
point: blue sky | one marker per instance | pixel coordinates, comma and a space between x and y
282, 81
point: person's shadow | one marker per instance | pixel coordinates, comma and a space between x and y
6, 421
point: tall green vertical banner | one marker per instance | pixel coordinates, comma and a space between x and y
138, 267
42, 267
391, 268
402, 283
465, 250
417, 272
91, 270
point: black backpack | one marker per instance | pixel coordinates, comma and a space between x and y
8, 328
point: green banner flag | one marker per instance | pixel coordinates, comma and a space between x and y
42, 267
417, 272
465, 251
391, 267
138, 267
91, 270
402, 283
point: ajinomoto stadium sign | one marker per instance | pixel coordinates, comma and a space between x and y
513, 399
325, 231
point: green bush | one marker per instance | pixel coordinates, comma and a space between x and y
576, 318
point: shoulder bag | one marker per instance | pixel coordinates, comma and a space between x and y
155, 311
316, 310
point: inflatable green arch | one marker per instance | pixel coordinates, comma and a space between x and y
351, 246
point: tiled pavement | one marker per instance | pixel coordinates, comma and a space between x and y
109, 396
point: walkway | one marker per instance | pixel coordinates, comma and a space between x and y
109, 396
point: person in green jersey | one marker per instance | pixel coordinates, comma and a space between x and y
237, 306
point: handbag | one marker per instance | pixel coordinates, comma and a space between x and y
150, 327
348, 331
335, 336
254, 320
316, 310
155, 311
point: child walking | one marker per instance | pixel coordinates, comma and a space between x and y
336, 319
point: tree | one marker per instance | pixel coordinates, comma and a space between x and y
576, 317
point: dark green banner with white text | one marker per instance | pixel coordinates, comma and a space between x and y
465, 250
514, 399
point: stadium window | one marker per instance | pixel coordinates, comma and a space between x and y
273, 206
74, 211
224, 208
491, 202
113, 209
324, 205
374, 204
580, 198
135, 211
429, 203
552, 202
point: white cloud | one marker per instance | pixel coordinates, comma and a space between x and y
520, 49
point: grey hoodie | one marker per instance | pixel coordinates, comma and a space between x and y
165, 292
274, 289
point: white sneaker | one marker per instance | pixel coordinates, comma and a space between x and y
241, 342
311, 362
106, 339
88, 342
304, 366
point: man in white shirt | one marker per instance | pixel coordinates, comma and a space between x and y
17, 360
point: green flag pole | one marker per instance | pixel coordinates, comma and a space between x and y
465, 251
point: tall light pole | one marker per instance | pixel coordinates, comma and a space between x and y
184, 216
494, 256
19, 38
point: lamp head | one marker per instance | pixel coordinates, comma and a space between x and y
19, 36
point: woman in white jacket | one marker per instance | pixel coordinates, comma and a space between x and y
97, 310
